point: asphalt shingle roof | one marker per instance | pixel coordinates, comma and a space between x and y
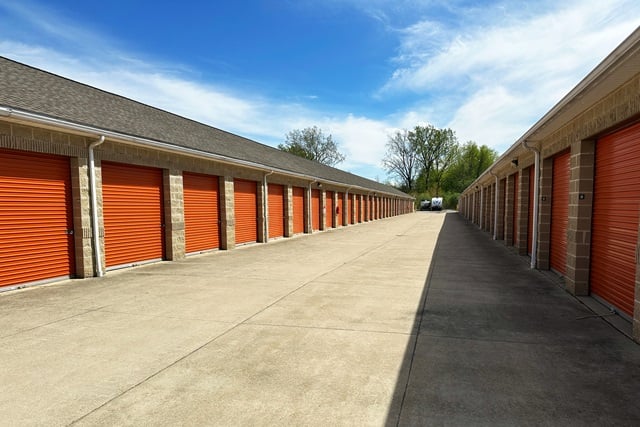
36, 91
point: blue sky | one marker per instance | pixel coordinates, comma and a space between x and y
358, 69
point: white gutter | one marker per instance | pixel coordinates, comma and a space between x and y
534, 231
495, 208
265, 206
93, 195
158, 145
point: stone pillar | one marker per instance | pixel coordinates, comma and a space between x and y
323, 210
508, 209
227, 215
354, 207
523, 211
288, 211
492, 208
173, 214
308, 206
544, 213
83, 232
499, 231
579, 224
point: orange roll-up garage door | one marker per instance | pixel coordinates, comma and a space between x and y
315, 209
298, 210
276, 210
36, 218
201, 212
560, 212
133, 214
329, 211
340, 209
245, 195
349, 209
616, 206
358, 208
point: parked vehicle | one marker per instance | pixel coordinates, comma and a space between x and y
425, 205
436, 203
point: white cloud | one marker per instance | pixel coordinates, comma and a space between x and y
505, 75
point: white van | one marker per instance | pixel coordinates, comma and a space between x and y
436, 203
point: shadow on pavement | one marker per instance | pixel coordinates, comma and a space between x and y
500, 344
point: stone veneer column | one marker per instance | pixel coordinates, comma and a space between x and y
523, 211
579, 224
354, 207
508, 210
173, 214
544, 213
492, 207
227, 215
83, 233
323, 210
499, 232
486, 210
288, 211
308, 207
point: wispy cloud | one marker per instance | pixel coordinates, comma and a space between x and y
505, 74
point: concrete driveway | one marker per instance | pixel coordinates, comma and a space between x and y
318, 330
305, 331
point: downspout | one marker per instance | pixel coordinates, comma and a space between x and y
93, 196
534, 231
495, 208
265, 206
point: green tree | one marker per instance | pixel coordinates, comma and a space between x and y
312, 144
435, 149
400, 160
470, 161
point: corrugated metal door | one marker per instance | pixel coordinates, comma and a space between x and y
133, 214
36, 218
350, 209
315, 209
340, 209
516, 208
616, 206
530, 236
329, 211
560, 212
276, 210
201, 212
358, 209
298, 210
245, 198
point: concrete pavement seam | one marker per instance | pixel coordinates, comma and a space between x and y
328, 328
50, 323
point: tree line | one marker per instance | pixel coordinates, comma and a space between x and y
424, 162
427, 161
